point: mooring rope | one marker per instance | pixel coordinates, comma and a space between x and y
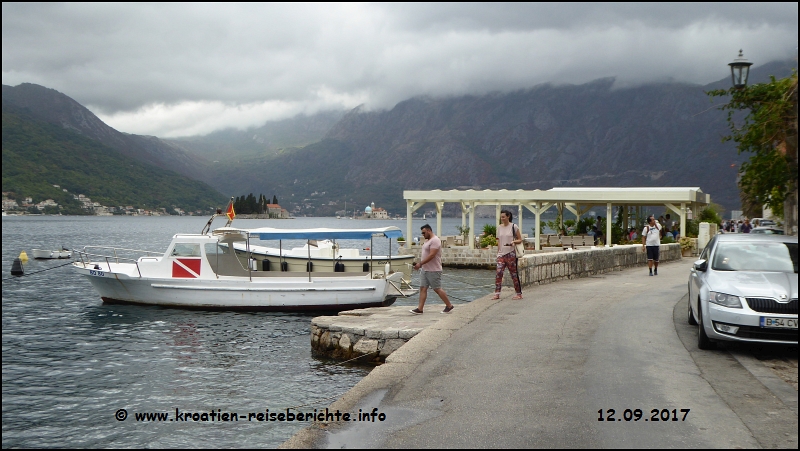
37, 272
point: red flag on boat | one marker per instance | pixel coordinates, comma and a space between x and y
230, 213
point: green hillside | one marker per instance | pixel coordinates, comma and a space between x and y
37, 155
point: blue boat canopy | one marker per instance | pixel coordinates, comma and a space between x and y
267, 233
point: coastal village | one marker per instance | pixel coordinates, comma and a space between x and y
49, 206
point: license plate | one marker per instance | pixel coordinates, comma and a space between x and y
779, 323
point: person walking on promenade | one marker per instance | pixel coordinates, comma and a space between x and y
508, 235
672, 227
746, 227
651, 242
430, 271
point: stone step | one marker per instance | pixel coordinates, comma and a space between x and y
376, 331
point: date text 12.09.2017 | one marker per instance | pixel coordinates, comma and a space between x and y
638, 415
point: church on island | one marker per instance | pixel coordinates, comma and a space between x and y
374, 213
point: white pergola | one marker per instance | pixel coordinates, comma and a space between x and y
575, 200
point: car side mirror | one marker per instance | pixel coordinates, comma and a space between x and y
701, 265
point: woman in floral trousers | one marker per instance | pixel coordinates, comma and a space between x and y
508, 234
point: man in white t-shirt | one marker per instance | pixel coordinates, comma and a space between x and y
651, 242
430, 270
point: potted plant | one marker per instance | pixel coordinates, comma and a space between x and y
401, 241
686, 246
488, 241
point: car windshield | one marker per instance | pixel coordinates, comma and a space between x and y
755, 256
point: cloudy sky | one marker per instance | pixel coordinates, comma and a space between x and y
183, 69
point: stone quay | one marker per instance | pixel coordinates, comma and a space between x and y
375, 333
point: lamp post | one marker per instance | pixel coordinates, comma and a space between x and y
740, 69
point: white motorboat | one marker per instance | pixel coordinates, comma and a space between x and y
324, 255
204, 271
43, 254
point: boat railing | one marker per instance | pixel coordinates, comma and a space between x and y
91, 254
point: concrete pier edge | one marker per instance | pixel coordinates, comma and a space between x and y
398, 365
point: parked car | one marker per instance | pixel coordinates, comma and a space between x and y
761, 222
744, 288
767, 230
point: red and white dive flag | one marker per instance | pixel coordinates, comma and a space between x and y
187, 268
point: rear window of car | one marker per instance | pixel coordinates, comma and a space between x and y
755, 256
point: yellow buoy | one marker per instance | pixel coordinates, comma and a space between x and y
23, 256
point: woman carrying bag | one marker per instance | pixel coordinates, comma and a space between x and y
509, 238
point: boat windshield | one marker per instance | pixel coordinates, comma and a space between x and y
223, 260
186, 250
755, 256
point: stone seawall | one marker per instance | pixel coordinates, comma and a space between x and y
551, 267
595, 260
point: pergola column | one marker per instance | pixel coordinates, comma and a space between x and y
472, 225
439, 208
519, 215
609, 214
409, 212
537, 226
625, 219
683, 219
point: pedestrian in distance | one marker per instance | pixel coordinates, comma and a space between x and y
596, 234
430, 271
508, 236
672, 227
651, 242
746, 227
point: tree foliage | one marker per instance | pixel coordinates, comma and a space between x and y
250, 205
771, 172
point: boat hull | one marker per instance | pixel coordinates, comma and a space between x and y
236, 293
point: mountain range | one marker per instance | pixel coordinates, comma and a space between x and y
594, 134
49, 139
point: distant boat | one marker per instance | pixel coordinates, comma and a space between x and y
46, 254
325, 256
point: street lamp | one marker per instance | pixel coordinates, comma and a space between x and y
740, 69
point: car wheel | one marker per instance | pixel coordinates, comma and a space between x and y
692, 321
703, 342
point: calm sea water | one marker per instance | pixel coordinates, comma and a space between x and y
70, 362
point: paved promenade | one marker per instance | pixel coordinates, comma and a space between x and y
534, 373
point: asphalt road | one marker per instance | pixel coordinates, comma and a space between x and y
540, 372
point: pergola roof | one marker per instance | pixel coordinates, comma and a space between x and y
628, 196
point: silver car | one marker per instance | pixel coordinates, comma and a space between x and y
744, 288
